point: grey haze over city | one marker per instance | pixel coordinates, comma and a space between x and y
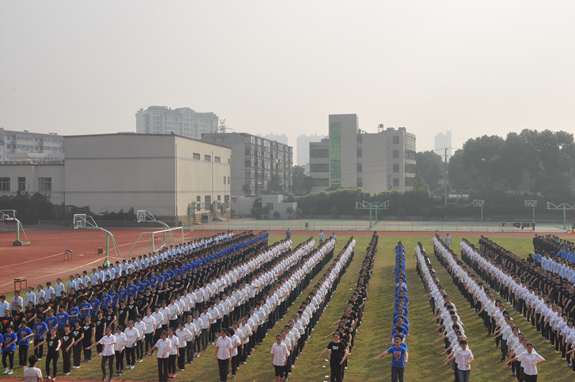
472, 68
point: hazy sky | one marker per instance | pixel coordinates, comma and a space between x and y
483, 67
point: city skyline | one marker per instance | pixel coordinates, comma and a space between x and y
474, 68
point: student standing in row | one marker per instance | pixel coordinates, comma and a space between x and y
8, 349
223, 354
399, 358
108, 341
463, 357
163, 345
338, 353
53, 343
279, 354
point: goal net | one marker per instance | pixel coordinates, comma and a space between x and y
156, 240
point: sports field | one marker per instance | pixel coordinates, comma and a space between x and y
381, 225
424, 359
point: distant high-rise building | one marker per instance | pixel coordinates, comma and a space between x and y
180, 121
21, 146
303, 142
442, 142
276, 137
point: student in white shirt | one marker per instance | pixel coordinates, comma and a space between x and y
224, 354
150, 332
173, 354
529, 361
108, 354
463, 357
32, 373
132, 336
191, 342
163, 345
140, 325
279, 354
183, 335
119, 349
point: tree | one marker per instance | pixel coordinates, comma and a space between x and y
430, 167
308, 184
266, 212
460, 179
276, 215
482, 159
299, 177
298, 212
257, 207
419, 184
275, 185
290, 211
290, 198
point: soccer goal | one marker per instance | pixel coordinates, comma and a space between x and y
156, 240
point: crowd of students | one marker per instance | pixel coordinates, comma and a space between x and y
400, 326
348, 325
449, 324
83, 315
517, 352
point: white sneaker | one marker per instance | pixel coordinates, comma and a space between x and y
10, 372
5, 371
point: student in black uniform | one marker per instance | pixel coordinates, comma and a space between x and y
78, 335
338, 355
88, 336
53, 343
100, 325
67, 342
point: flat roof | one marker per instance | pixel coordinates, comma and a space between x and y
144, 134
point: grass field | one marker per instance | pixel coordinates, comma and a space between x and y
424, 359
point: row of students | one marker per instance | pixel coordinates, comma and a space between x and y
445, 315
348, 325
505, 330
519, 352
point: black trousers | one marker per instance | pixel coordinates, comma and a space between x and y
223, 365
23, 355
10, 356
163, 369
182, 359
139, 349
204, 338
66, 355
52, 358
149, 338
110, 360
336, 372
119, 360
77, 350
235, 364
87, 352
130, 356
190, 350
397, 374
172, 363
39, 351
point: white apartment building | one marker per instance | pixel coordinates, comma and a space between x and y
25, 146
180, 121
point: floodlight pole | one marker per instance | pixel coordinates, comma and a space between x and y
564, 207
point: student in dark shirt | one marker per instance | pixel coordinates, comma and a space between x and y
67, 342
338, 355
78, 335
88, 336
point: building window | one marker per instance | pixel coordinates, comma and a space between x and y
208, 158
44, 184
224, 180
359, 182
319, 167
270, 206
359, 138
4, 184
226, 199
359, 152
395, 139
197, 156
410, 154
395, 168
409, 182
208, 200
198, 199
410, 141
395, 182
359, 167
321, 182
229, 180
249, 163
319, 153
21, 184
395, 154
217, 159
219, 198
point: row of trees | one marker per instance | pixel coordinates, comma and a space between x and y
529, 162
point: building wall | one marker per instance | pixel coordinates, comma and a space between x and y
275, 204
32, 174
254, 160
319, 158
373, 163
303, 142
343, 130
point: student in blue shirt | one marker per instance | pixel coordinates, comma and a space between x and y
400, 356
40, 330
123, 293
106, 300
114, 298
73, 313
51, 320
8, 349
85, 309
24, 335
62, 321
95, 305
